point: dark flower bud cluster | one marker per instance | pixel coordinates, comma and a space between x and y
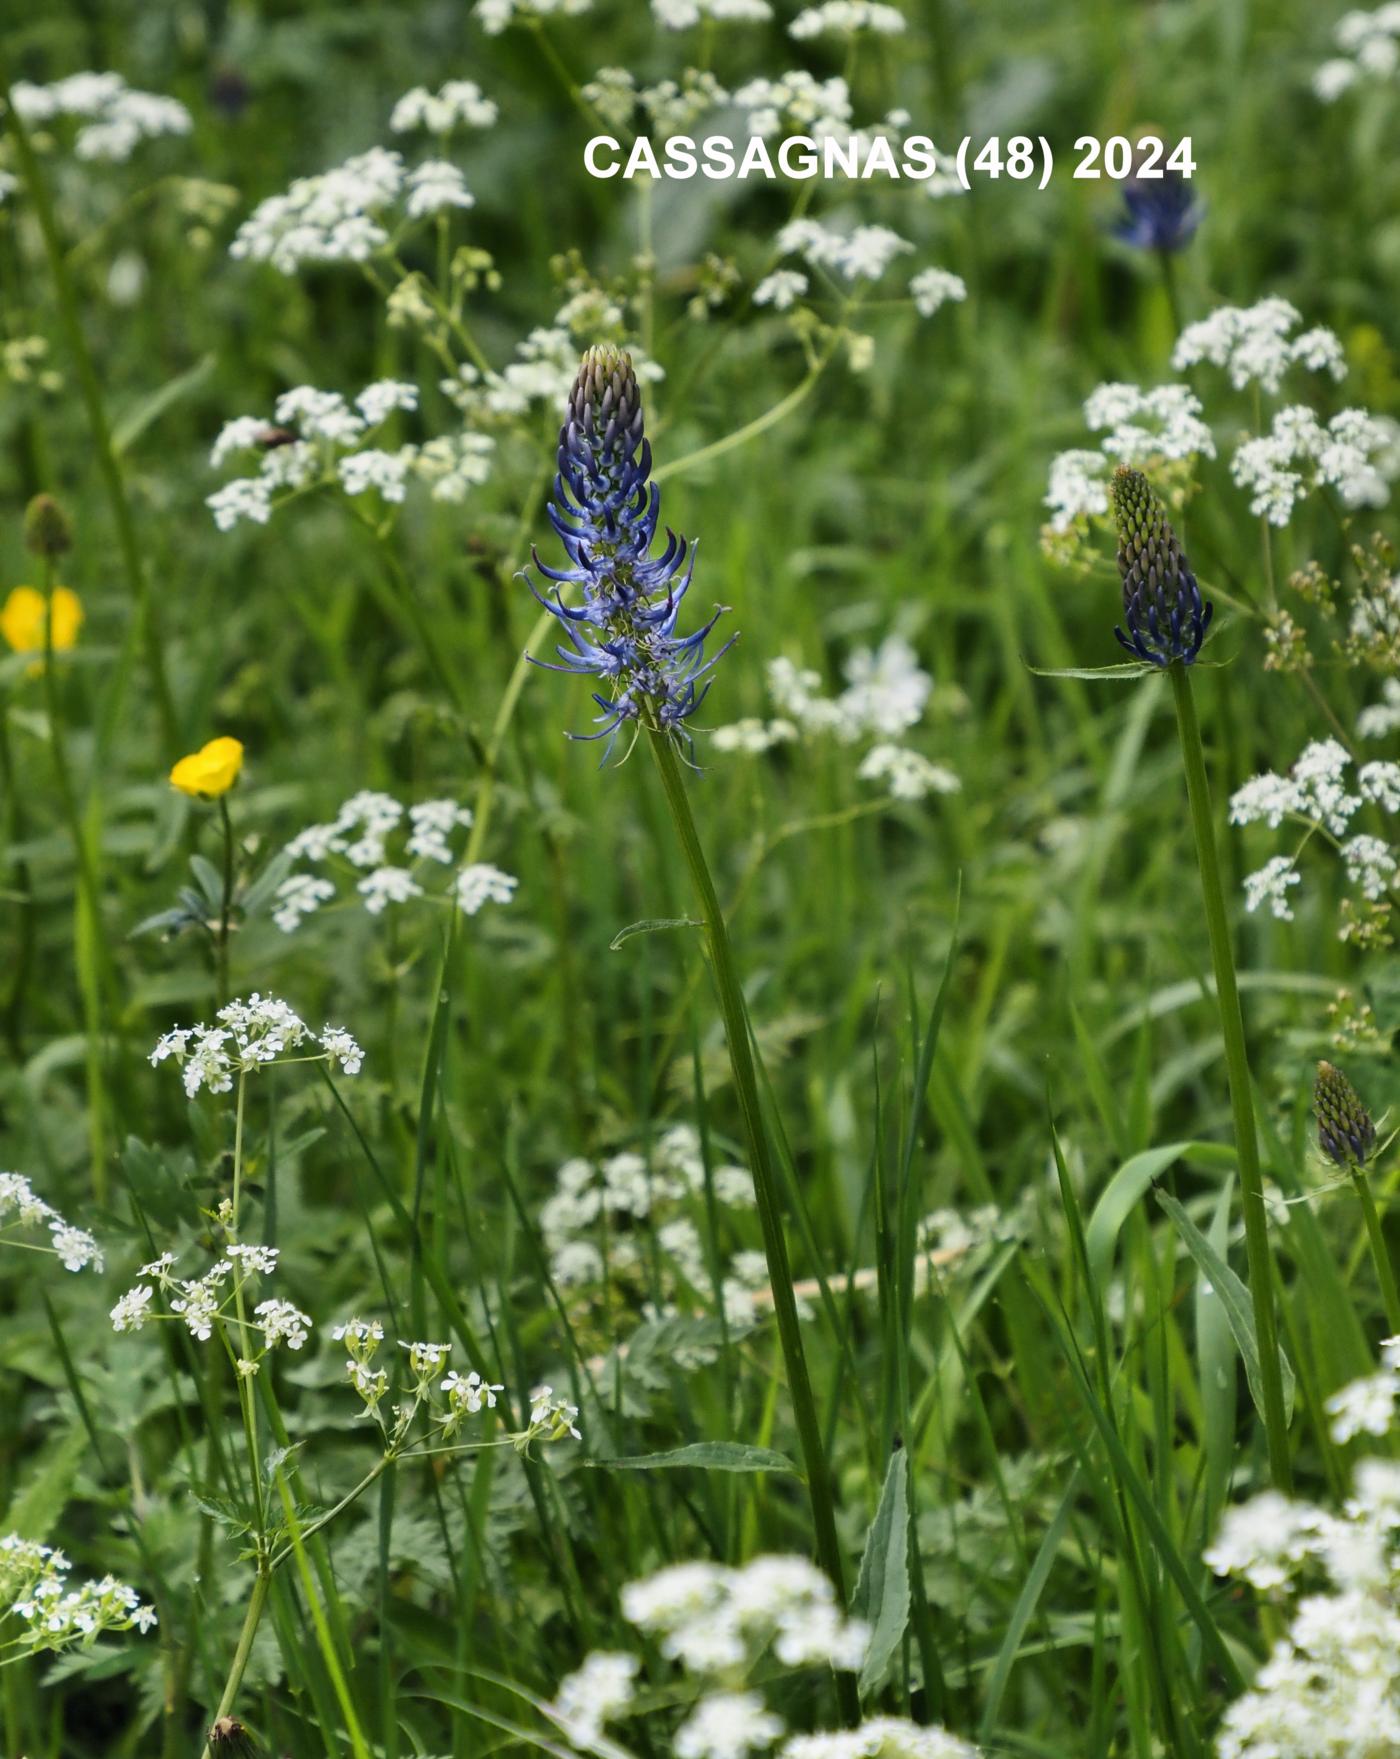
1164, 618
1162, 214
1345, 1132
47, 531
623, 630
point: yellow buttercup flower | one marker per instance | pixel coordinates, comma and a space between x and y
23, 615
209, 772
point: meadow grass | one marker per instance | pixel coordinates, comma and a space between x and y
1075, 1284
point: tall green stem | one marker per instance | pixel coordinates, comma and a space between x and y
226, 901
765, 1178
1227, 995
251, 1619
108, 466
1380, 1255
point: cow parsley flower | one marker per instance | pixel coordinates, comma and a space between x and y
865, 254
796, 102
459, 103
1370, 864
1370, 45
908, 774
1270, 886
35, 1587
333, 217
681, 15
495, 15
116, 119
1255, 344
933, 288
597, 1693
1382, 718
434, 187
1353, 453
727, 1725
480, 883
250, 1035
781, 289
846, 18
21, 1206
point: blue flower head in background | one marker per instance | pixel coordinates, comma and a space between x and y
1163, 213
622, 631
1345, 1131
1164, 618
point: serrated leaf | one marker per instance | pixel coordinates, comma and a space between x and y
651, 925
36, 1509
705, 1456
1235, 1301
882, 1588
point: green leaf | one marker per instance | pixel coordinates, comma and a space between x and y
706, 1456
1119, 1199
36, 1509
261, 890
126, 432
1124, 669
882, 1589
209, 880
1234, 1298
651, 925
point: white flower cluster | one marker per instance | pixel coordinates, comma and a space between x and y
681, 15
1255, 345
546, 364
1138, 427
201, 1303
115, 118
357, 839
34, 1583
589, 1225
249, 1035
1317, 791
713, 1619
673, 106
495, 15
716, 1623
796, 102
20, 1205
886, 694
1370, 45
339, 216
317, 437
1383, 718
863, 254
1355, 453
458, 104
845, 18
1331, 1682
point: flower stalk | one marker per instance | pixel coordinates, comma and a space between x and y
1258, 1253
765, 1177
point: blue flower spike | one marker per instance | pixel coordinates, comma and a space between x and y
622, 630
1164, 618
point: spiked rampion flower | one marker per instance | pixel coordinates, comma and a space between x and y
1345, 1132
624, 630
1162, 610
1162, 214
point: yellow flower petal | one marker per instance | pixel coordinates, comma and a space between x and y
22, 619
209, 772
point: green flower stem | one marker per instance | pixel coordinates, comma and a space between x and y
251, 1619
92, 961
226, 900
1385, 1271
107, 463
1227, 995
766, 1188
